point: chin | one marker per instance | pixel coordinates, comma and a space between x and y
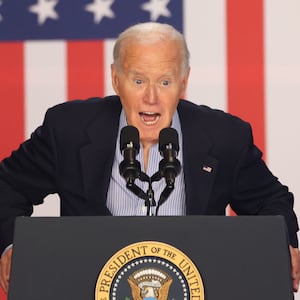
153, 139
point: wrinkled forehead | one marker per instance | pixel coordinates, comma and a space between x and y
164, 57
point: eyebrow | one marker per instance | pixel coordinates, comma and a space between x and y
137, 73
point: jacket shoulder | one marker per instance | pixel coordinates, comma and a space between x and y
208, 115
81, 112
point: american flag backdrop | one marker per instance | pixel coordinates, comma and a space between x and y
245, 59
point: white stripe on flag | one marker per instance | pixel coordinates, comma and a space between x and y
282, 24
45, 79
45, 86
108, 59
206, 37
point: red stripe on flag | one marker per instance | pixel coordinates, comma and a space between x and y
245, 65
245, 59
12, 96
85, 69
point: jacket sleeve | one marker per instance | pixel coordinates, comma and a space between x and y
26, 177
257, 191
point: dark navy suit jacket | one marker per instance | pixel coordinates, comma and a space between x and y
72, 154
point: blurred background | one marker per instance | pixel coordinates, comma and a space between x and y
245, 59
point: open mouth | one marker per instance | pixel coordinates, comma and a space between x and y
149, 118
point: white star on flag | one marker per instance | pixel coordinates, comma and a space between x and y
100, 9
44, 9
157, 8
1, 18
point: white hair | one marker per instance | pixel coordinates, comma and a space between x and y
150, 33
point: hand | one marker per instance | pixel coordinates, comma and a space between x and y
5, 263
295, 260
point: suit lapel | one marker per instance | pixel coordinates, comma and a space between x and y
97, 156
199, 167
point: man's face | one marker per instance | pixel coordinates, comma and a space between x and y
150, 84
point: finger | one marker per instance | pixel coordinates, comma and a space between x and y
295, 286
296, 279
5, 269
295, 264
6, 275
295, 283
3, 277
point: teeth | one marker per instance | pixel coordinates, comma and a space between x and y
150, 114
150, 123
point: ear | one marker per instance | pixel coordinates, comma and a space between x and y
114, 78
185, 80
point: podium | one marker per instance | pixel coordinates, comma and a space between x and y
77, 257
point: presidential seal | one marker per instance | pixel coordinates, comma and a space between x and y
149, 270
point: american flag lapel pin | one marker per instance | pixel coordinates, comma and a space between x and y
207, 169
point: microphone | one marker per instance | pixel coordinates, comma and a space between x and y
169, 166
130, 168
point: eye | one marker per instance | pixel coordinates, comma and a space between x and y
138, 81
165, 82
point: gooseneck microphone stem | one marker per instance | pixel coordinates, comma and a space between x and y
150, 194
137, 190
164, 196
147, 197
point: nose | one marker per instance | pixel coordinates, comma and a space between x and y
151, 95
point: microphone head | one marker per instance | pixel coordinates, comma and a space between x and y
168, 136
129, 134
